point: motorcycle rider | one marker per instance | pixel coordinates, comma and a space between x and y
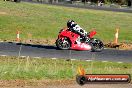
77, 29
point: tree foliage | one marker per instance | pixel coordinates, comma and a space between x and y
120, 2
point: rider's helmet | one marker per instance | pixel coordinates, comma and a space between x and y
70, 23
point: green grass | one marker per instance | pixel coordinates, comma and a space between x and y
44, 21
29, 68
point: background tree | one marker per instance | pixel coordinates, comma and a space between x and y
129, 3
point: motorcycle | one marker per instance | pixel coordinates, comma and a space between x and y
71, 40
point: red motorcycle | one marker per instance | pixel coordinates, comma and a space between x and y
70, 40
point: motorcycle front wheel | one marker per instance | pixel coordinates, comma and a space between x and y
63, 43
97, 45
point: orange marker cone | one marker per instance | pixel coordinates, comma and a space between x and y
116, 36
81, 71
18, 36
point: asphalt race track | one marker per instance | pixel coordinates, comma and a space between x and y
16, 49
127, 10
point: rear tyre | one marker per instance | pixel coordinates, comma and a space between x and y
63, 43
97, 45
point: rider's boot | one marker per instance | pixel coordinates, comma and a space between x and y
86, 39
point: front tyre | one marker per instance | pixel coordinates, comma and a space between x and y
97, 45
63, 43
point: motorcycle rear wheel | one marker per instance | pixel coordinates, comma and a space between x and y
97, 45
63, 44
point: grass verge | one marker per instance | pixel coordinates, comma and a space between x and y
44, 21
12, 68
